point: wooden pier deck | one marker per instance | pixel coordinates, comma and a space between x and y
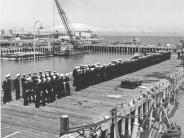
82, 106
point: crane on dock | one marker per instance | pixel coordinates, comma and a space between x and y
68, 27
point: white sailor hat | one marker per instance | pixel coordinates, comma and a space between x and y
54, 71
43, 75
44, 79
28, 79
67, 74
61, 75
54, 77
39, 80
18, 74
6, 76
57, 74
52, 74
49, 78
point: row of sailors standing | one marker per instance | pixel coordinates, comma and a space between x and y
86, 75
40, 89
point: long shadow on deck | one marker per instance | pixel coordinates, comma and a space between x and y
160, 75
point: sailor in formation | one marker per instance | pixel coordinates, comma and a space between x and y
45, 88
39, 89
86, 75
6, 85
17, 82
48, 86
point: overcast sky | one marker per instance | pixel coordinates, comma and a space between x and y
99, 15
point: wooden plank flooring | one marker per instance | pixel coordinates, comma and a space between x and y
82, 106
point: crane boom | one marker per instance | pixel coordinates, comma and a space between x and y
65, 21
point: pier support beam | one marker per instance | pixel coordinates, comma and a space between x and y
115, 122
64, 124
129, 124
151, 118
136, 123
123, 127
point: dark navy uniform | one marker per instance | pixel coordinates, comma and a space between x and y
17, 87
25, 91
67, 85
44, 90
49, 89
23, 79
38, 93
7, 90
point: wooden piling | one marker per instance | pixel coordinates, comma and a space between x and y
115, 122
129, 124
123, 127
64, 124
136, 123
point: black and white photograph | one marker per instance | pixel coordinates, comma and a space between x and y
92, 68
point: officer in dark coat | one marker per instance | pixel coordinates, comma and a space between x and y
40, 74
62, 85
54, 87
34, 82
75, 76
25, 91
67, 85
179, 53
38, 92
44, 90
23, 79
29, 89
7, 89
59, 92
17, 87
49, 88
57, 85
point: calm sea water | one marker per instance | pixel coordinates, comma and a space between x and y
147, 39
66, 64
59, 64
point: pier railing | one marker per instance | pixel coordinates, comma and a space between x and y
132, 118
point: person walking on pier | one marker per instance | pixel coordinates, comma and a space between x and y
7, 89
17, 87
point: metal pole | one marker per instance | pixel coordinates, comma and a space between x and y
34, 33
34, 46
